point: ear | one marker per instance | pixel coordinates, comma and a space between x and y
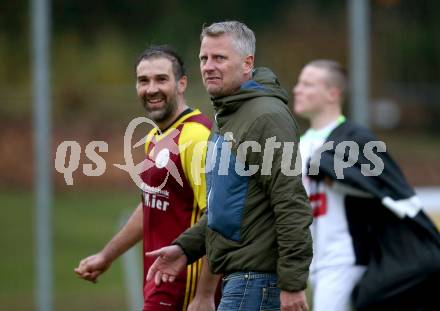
248, 64
334, 94
181, 84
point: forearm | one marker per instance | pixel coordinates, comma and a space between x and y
292, 220
292, 216
192, 241
207, 283
128, 236
290, 207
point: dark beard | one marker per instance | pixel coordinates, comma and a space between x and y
162, 115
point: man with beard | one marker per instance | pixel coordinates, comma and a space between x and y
256, 231
170, 202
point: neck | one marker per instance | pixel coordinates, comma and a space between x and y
322, 120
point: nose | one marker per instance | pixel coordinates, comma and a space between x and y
151, 88
207, 66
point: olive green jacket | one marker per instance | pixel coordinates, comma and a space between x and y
258, 214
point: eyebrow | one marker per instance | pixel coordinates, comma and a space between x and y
161, 75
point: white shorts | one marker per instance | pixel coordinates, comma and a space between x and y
332, 287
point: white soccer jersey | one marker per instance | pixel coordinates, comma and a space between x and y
332, 242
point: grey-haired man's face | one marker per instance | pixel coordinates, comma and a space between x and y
222, 67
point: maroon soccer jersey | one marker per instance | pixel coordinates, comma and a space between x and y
173, 200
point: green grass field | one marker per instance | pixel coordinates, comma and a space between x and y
82, 223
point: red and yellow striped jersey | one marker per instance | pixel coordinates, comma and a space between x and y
174, 198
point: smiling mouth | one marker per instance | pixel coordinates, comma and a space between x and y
152, 104
155, 101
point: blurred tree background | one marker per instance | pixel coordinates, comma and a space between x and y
94, 46
93, 50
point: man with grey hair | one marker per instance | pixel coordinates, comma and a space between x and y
256, 231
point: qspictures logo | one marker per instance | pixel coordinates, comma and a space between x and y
219, 151
68, 165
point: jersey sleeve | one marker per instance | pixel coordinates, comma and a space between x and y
192, 146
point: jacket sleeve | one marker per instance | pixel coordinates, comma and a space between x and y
282, 182
388, 181
192, 240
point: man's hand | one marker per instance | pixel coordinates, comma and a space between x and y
293, 301
91, 267
170, 261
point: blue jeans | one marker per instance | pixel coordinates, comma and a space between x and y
250, 291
